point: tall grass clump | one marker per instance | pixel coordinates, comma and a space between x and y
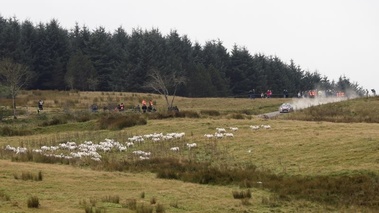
210, 112
111, 199
113, 122
187, 114
242, 194
29, 176
153, 200
14, 131
33, 202
55, 120
237, 116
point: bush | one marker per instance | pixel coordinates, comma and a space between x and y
210, 112
237, 116
119, 122
8, 131
56, 120
188, 114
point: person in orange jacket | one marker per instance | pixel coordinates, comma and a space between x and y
144, 107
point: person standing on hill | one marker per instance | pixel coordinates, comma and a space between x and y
40, 106
144, 107
122, 107
150, 107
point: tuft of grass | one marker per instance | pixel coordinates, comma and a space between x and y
33, 202
242, 194
153, 200
29, 176
142, 195
111, 199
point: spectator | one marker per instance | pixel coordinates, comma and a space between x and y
144, 107
121, 107
285, 93
94, 108
268, 94
150, 107
40, 106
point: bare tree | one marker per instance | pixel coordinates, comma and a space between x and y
14, 76
165, 85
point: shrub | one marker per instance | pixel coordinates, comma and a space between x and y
8, 131
210, 112
82, 117
33, 202
237, 116
56, 120
188, 114
161, 115
119, 122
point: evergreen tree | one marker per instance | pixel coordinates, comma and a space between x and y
51, 55
81, 73
102, 56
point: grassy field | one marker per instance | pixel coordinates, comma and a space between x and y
303, 163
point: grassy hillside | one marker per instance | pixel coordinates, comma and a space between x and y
349, 111
295, 166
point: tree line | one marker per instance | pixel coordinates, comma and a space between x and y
84, 59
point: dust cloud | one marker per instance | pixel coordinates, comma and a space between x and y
305, 102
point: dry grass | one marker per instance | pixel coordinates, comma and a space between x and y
58, 101
289, 148
64, 187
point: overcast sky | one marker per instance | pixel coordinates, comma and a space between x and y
334, 37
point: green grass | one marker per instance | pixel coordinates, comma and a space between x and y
304, 163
